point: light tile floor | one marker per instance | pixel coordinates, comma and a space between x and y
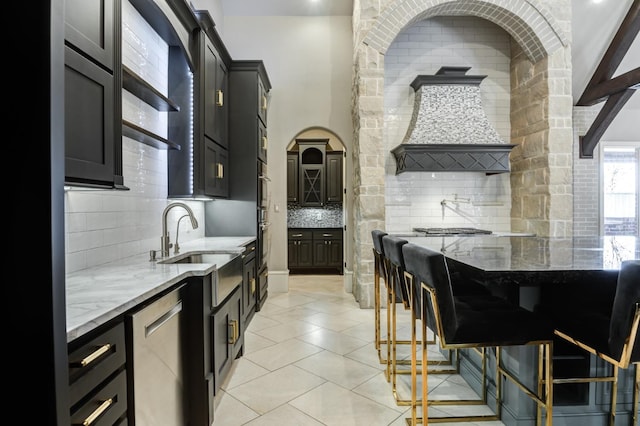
310, 359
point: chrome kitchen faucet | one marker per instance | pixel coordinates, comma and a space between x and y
165, 243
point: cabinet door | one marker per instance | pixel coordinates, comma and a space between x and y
226, 334
210, 80
263, 142
89, 122
334, 177
334, 258
305, 253
292, 178
311, 185
89, 26
221, 133
262, 102
216, 161
248, 288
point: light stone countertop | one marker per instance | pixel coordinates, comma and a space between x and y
99, 294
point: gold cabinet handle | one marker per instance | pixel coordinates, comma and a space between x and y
296, 235
93, 356
233, 338
253, 285
264, 142
264, 102
219, 98
219, 170
97, 412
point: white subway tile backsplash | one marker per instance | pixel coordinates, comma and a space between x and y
413, 199
103, 226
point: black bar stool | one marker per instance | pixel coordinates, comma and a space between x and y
611, 337
482, 322
380, 270
392, 247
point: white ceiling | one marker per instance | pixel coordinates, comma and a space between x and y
594, 26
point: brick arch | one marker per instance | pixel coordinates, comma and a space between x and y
530, 24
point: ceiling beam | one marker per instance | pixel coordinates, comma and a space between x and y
612, 58
615, 92
611, 107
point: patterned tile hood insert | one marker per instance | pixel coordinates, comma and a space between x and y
449, 130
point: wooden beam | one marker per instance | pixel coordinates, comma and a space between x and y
612, 106
614, 91
599, 93
615, 53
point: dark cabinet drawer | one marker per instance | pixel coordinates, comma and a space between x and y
106, 406
299, 234
94, 361
327, 234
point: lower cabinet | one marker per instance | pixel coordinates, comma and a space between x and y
300, 248
227, 337
97, 377
249, 286
311, 249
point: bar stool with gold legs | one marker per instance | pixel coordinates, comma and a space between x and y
380, 270
610, 334
482, 322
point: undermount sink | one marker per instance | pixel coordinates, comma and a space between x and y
219, 258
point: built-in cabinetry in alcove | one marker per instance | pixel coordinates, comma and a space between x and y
314, 174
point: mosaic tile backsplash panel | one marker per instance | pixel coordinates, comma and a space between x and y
330, 216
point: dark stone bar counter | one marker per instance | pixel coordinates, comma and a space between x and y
546, 274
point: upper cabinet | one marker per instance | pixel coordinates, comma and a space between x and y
314, 175
93, 149
202, 170
250, 87
334, 180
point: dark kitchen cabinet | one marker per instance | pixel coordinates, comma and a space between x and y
327, 249
312, 157
315, 250
314, 175
333, 169
300, 248
292, 178
249, 87
227, 335
97, 377
249, 284
245, 212
201, 169
93, 106
216, 168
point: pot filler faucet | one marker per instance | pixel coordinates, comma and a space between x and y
164, 240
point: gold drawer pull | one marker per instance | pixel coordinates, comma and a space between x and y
264, 102
253, 285
93, 356
97, 412
264, 142
219, 98
219, 171
233, 332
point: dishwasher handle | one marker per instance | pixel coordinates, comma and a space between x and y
151, 328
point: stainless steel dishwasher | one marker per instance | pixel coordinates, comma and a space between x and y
157, 362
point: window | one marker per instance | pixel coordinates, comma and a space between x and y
620, 183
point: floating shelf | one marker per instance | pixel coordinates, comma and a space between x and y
143, 90
146, 137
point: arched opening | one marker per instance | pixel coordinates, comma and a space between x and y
315, 203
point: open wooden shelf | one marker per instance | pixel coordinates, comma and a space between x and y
143, 90
146, 137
